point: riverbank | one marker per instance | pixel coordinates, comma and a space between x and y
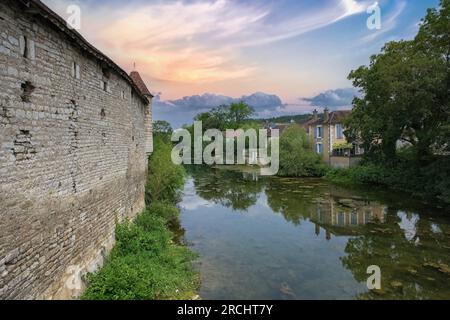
430, 183
425, 178
147, 263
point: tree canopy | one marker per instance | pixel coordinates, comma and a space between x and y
234, 116
162, 126
406, 92
296, 156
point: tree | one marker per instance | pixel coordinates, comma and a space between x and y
162, 127
434, 40
296, 157
239, 113
234, 116
406, 92
217, 118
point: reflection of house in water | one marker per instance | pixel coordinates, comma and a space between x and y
342, 216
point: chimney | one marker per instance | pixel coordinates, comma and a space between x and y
315, 115
326, 115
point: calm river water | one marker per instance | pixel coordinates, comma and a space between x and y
275, 238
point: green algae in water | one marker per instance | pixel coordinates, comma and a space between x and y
271, 238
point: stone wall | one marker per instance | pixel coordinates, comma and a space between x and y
72, 157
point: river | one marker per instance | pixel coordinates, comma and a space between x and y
290, 238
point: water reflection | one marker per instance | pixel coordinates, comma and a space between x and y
321, 247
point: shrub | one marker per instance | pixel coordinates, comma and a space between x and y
430, 181
157, 212
296, 157
132, 238
143, 276
165, 177
145, 263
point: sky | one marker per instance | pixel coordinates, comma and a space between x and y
282, 57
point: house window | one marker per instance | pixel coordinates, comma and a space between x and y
354, 219
357, 150
27, 48
319, 132
319, 148
104, 83
339, 131
76, 70
341, 219
367, 216
23, 42
104, 86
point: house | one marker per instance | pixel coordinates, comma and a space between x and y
281, 127
327, 138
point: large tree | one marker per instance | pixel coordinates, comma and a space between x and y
222, 118
239, 113
406, 92
162, 127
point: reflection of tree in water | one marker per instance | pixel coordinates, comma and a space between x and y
178, 231
411, 252
292, 198
226, 188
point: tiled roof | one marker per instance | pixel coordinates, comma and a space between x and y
339, 116
334, 118
136, 77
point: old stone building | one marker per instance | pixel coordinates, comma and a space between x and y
327, 139
75, 135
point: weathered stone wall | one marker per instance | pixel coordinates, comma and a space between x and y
72, 158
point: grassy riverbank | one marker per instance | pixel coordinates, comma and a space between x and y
146, 263
430, 182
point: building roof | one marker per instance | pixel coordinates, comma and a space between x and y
37, 8
136, 77
339, 116
334, 117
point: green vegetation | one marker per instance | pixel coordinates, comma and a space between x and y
235, 116
162, 127
165, 178
300, 118
296, 156
430, 182
406, 93
406, 98
146, 263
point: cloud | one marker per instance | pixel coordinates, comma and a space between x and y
182, 111
206, 100
262, 101
334, 99
198, 41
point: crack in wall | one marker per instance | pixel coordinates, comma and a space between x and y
27, 90
23, 148
73, 143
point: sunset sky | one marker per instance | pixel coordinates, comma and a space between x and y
294, 54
